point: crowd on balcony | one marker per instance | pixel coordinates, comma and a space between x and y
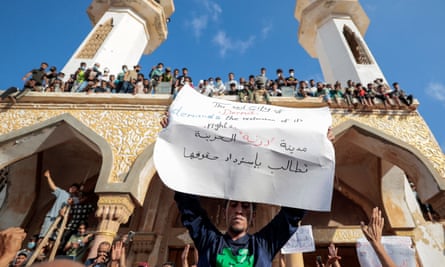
253, 89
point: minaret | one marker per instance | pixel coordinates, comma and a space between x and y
333, 31
123, 32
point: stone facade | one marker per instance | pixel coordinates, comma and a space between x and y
112, 136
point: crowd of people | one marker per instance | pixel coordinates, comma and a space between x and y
253, 89
234, 247
74, 240
114, 255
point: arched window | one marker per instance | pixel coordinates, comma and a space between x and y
96, 39
356, 46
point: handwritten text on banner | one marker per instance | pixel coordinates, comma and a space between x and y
247, 152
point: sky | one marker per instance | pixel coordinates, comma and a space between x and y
212, 38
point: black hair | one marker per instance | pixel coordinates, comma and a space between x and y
83, 223
226, 202
76, 185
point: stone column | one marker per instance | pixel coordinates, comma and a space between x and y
112, 211
142, 246
294, 259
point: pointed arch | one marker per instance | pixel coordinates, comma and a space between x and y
46, 145
405, 156
356, 46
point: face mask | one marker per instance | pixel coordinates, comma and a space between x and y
31, 245
82, 68
125, 69
292, 74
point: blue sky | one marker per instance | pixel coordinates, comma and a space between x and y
212, 38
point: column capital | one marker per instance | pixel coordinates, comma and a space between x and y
115, 207
143, 242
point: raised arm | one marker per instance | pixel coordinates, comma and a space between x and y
195, 219
184, 256
333, 258
373, 232
51, 183
278, 231
10, 242
27, 76
118, 258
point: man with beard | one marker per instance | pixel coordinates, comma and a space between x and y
236, 247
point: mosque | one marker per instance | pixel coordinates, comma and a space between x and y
106, 143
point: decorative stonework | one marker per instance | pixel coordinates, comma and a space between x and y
96, 39
112, 211
356, 47
337, 235
128, 132
130, 128
143, 243
409, 128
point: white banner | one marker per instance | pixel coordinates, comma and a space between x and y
247, 152
301, 241
399, 248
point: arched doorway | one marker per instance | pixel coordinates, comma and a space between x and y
70, 150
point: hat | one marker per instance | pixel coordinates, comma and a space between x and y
23, 252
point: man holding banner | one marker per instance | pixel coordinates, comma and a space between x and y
245, 153
236, 247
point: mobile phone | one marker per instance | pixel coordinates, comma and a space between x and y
319, 261
129, 238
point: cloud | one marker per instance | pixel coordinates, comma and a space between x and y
198, 25
227, 44
437, 91
212, 9
265, 31
208, 11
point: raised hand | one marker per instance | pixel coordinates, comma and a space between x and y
373, 231
333, 258
10, 242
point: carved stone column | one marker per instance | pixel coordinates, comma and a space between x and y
294, 259
112, 211
142, 246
